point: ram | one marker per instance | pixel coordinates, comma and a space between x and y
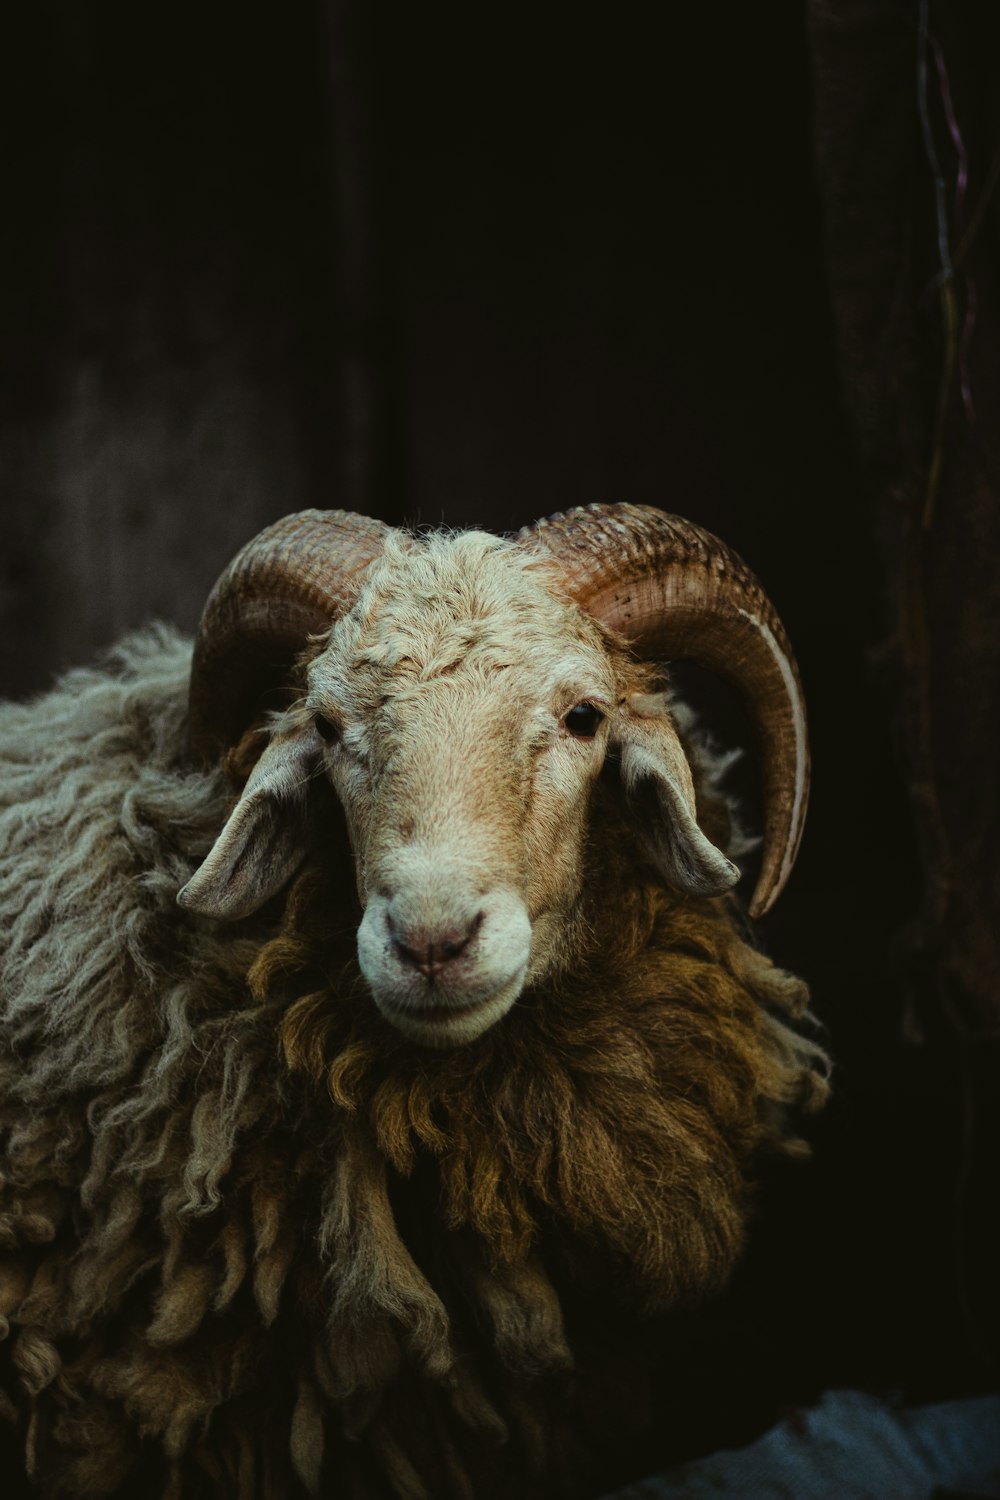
381, 1042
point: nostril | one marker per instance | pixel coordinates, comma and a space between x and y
414, 956
450, 945
429, 950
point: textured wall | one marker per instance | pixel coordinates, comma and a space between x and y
171, 369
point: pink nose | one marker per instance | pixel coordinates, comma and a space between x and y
431, 950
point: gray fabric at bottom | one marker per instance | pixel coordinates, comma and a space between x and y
850, 1447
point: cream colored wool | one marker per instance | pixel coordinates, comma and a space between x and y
253, 1242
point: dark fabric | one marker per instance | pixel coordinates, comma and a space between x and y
851, 1447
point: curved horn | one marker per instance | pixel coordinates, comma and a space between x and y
679, 592
290, 581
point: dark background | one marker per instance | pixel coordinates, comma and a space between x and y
474, 264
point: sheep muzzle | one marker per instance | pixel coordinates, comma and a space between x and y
444, 958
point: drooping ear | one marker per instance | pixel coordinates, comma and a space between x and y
266, 836
659, 789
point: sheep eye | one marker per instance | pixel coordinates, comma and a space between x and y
583, 721
325, 728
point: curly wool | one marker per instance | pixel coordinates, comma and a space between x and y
254, 1242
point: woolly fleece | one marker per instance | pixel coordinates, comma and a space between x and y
253, 1242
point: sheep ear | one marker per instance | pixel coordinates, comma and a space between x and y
657, 782
266, 836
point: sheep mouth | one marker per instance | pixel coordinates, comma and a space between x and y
446, 1012
449, 1025
434, 1015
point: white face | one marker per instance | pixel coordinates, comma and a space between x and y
462, 712
465, 778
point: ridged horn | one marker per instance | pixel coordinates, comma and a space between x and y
678, 592
290, 581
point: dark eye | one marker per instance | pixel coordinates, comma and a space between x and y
326, 728
583, 721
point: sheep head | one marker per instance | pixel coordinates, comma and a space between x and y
462, 705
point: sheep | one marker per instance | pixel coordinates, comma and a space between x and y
381, 1041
